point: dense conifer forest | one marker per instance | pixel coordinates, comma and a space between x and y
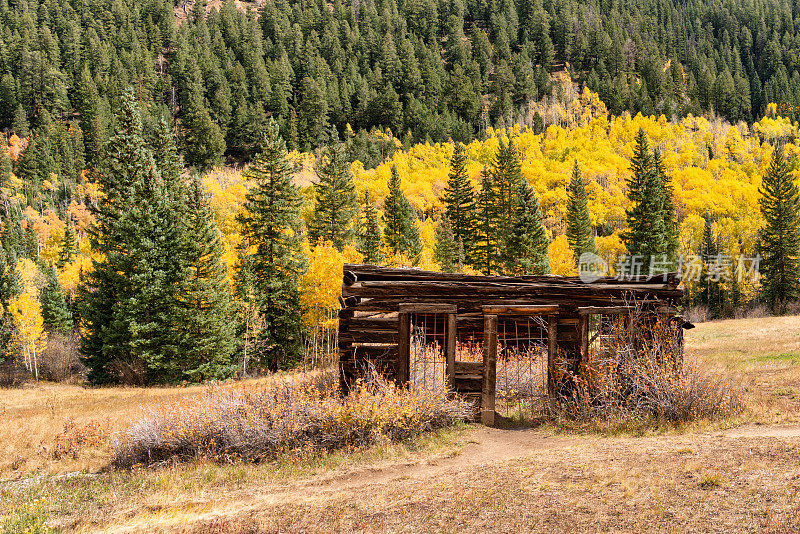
426, 69
180, 184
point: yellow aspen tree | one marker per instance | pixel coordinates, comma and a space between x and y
29, 332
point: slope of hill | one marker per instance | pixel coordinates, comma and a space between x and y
426, 69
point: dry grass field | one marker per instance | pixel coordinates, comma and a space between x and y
739, 474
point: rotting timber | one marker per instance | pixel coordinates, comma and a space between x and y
378, 303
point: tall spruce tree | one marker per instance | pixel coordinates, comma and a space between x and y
55, 312
497, 201
400, 222
486, 257
579, 225
105, 339
127, 305
527, 251
336, 203
779, 239
69, 247
459, 202
207, 344
271, 224
645, 236
10, 287
668, 216
709, 292
370, 244
448, 251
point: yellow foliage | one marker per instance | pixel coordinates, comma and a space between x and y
32, 278
29, 332
562, 261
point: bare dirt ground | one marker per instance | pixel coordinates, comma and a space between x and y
741, 480
741, 475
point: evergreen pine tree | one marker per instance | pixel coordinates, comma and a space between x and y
69, 247
5, 163
527, 249
487, 250
779, 240
271, 224
336, 202
448, 251
369, 237
708, 289
668, 215
204, 144
459, 201
127, 304
55, 312
400, 228
497, 202
10, 287
644, 238
579, 226
207, 343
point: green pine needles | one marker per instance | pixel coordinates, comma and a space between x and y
459, 202
779, 239
580, 234
271, 227
652, 236
336, 202
528, 243
133, 306
370, 243
400, 222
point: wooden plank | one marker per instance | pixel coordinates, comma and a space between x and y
604, 310
374, 272
489, 369
424, 307
404, 346
450, 350
445, 290
367, 336
515, 309
552, 353
349, 277
375, 352
469, 368
584, 337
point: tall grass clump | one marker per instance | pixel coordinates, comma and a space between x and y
635, 376
299, 412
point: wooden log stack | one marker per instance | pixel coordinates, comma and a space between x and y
375, 299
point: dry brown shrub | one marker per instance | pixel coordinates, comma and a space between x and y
60, 361
638, 377
75, 437
696, 314
298, 412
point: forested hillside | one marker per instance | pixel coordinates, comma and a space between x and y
426, 69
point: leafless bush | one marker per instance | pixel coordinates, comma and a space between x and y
639, 376
755, 311
12, 373
793, 308
60, 361
299, 412
696, 314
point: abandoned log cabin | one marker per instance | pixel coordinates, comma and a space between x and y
484, 336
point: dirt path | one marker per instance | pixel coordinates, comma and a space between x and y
485, 446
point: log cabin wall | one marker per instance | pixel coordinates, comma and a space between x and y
375, 324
